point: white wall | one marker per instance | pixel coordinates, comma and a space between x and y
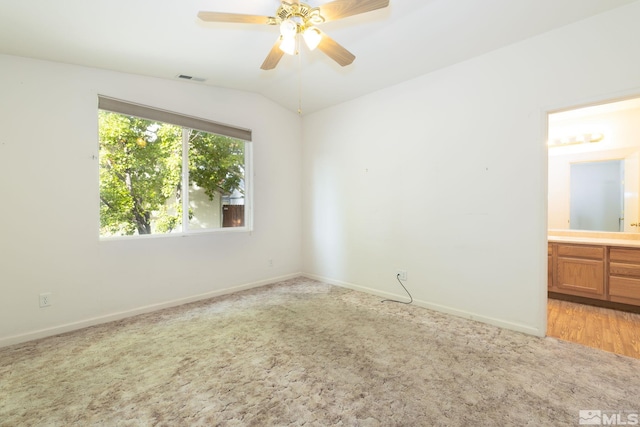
445, 175
49, 213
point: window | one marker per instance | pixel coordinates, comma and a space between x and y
162, 172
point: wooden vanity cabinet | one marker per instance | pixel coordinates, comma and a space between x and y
610, 274
624, 275
579, 270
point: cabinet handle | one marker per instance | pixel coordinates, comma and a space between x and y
634, 225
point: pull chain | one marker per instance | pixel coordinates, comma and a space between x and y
299, 77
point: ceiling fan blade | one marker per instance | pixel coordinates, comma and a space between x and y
235, 18
339, 9
335, 51
273, 57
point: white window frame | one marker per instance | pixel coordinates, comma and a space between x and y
197, 124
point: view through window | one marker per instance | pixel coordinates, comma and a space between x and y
159, 178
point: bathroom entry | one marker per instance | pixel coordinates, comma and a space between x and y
618, 153
596, 199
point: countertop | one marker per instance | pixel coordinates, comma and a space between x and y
595, 241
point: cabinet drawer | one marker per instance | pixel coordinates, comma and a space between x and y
581, 251
619, 269
624, 289
625, 255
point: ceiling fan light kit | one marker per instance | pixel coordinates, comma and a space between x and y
288, 28
300, 18
312, 37
288, 45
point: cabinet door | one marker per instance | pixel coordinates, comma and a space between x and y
550, 266
581, 270
583, 277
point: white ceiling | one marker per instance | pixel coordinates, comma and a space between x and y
164, 38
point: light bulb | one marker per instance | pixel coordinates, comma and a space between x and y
288, 45
288, 28
312, 37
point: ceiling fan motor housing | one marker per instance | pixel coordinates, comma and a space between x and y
301, 14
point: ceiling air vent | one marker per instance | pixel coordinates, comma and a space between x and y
195, 79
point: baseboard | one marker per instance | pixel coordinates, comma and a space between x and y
435, 307
68, 327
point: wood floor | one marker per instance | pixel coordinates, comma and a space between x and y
610, 330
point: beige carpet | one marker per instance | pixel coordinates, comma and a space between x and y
306, 353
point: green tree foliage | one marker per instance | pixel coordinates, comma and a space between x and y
216, 163
141, 169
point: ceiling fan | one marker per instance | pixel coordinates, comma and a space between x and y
300, 18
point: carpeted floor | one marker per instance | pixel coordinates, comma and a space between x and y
306, 353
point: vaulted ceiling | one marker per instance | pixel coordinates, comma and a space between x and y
164, 38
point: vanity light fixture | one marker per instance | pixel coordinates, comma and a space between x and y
585, 138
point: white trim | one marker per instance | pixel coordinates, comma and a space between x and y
191, 233
249, 174
435, 307
185, 185
68, 327
592, 101
544, 240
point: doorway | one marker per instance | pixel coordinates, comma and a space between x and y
594, 182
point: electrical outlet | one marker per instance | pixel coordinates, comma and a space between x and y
401, 274
45, 299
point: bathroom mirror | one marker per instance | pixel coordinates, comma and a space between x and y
594, 168
596, 196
